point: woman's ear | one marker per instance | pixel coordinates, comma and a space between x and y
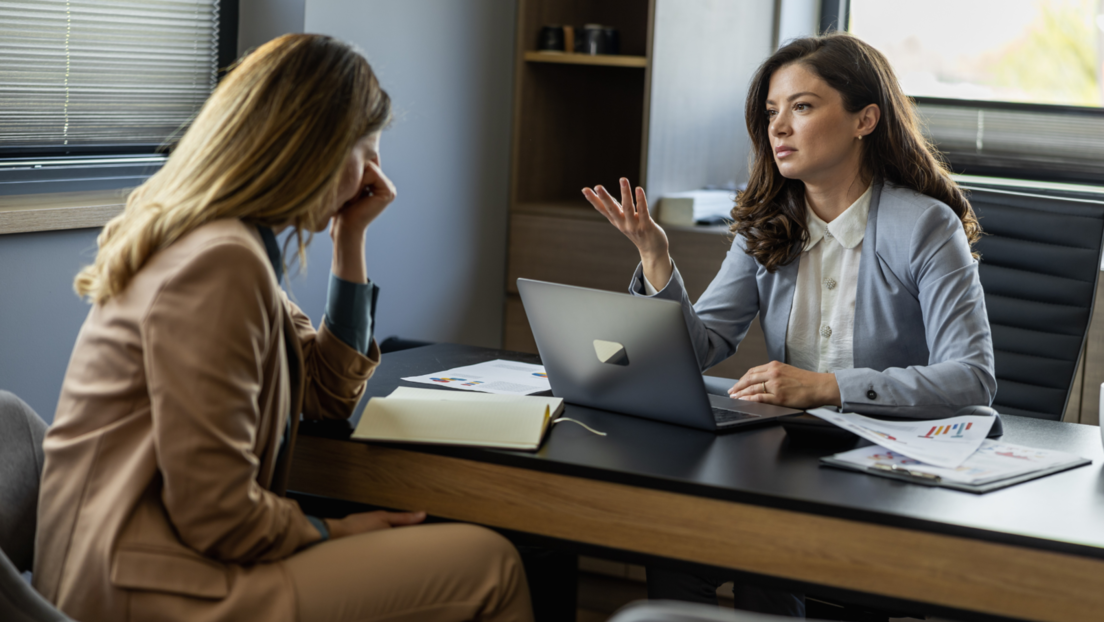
868, 119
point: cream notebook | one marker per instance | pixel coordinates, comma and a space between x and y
458, 418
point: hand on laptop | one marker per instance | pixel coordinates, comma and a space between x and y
786, 385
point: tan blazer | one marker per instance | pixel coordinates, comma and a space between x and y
160, 497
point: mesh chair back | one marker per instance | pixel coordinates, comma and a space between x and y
1040, 259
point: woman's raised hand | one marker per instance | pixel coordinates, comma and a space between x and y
633, 219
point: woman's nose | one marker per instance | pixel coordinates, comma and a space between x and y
779, 126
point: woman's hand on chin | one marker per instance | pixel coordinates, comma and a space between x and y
633, 219
371, 521
352, 220
786, 385
376, 193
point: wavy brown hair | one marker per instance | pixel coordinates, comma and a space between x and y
267, 148
770, 214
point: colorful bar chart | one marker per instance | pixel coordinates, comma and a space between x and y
945, 430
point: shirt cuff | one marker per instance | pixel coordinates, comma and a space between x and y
652, 290
351, 311
320, 525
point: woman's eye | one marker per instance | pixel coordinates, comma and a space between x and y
771, 113
801, 107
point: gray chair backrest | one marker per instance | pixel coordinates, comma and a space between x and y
21, 457
21, 433
19, 602
1040, 260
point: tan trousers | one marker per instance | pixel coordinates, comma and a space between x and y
445, 572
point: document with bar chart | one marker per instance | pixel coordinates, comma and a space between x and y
940, 442
995, 464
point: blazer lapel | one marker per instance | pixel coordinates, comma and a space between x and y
295, 380
777, 292
864, 338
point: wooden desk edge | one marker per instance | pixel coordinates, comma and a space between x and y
950, 571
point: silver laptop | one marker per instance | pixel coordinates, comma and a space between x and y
628, 354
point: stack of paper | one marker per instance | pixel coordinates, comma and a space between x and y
499, 376
994, 461
945, 442
454, 418
946, 452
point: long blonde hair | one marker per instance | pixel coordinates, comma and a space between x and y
267, 147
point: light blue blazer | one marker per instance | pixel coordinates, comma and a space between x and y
922, 345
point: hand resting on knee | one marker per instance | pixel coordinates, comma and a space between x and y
364, 522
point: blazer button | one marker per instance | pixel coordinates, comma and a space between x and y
871, 395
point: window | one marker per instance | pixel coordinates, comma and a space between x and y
1005, 87
93, 91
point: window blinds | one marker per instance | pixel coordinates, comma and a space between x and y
1060, 143
103, 72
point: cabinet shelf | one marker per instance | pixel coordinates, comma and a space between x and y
604, 60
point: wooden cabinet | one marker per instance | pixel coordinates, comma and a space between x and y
667, 113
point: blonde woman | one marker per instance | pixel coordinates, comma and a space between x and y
160, 497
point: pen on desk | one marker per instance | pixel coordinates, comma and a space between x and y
893, 468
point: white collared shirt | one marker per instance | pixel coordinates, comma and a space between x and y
822, 319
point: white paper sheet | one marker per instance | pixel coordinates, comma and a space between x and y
499, 376
993, 461
555, 404
940, 442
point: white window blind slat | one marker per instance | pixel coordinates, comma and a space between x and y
91, 72
1057, 141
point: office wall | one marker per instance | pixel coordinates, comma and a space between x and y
704, 53
797, 18
438, 252
40, 315
261, 20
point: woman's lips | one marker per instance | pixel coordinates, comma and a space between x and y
783, 151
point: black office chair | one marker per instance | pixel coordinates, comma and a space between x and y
21, 433
1040, 260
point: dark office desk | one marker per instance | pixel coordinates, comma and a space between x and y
755, 501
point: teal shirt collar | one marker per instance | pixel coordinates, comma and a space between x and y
272, 249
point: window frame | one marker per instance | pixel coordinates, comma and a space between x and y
833, 12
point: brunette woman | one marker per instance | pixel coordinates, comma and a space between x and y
852, 245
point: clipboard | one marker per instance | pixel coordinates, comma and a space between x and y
926, 479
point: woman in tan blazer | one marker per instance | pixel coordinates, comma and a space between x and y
161, 494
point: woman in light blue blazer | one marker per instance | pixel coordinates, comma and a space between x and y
852, 244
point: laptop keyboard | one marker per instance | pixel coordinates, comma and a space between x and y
728, 417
